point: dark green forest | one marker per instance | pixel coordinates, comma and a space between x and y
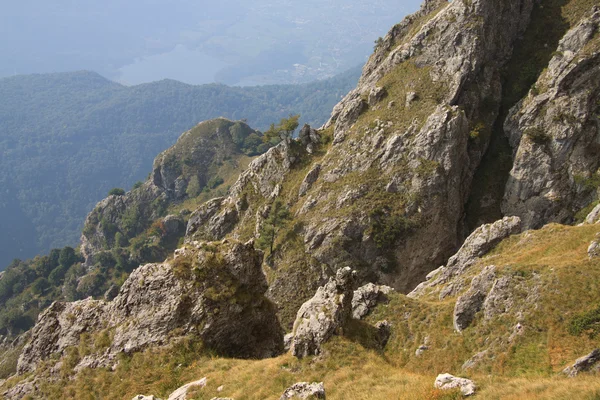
66, 139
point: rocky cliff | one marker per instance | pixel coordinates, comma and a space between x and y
387, 195
554, 133
181, 172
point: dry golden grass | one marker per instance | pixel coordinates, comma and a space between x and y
527, 368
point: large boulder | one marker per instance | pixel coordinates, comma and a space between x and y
447, 382
322, 316
214, 291
59, 327
593, 250
366, 297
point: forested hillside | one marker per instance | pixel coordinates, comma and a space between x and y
67, 139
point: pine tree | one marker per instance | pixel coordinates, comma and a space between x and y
278, 216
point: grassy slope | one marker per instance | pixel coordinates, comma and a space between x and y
527, 368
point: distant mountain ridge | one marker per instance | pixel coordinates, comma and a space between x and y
67, 138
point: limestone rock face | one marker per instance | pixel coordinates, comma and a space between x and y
594, 216
583, 364
181, 393
60, 327
387, 197
310, 178
555, 134
446, 381
366, 297
322, 316
462, 46
212, 290
304, 390
594, 248
472, 301
264, 176
109, 214
28, 387
481, 241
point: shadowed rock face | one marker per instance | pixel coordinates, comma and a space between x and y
481, 241
583, 364
214, 291
554, 134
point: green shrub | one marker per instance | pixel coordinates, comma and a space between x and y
138, 184
116, 192
537, 135
214, 182
587, 183
477, 131
386, 229
588, 322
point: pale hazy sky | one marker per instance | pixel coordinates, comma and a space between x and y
231, 41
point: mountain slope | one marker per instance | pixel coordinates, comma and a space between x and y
67, 139
379, 196
522, 339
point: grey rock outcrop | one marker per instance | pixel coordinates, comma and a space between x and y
263, 178
446, 382
181, 392
436, 151
593, 250
554, 133
366, 297
472, 301
304, 390
309, 138
322, 316
60, 327
310, 178
109, 215
212, 290
384, 332
29, 387
583, 364
480, 242
420, 350
376, 95
193, 158
111, 292
472, 362
594, 216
